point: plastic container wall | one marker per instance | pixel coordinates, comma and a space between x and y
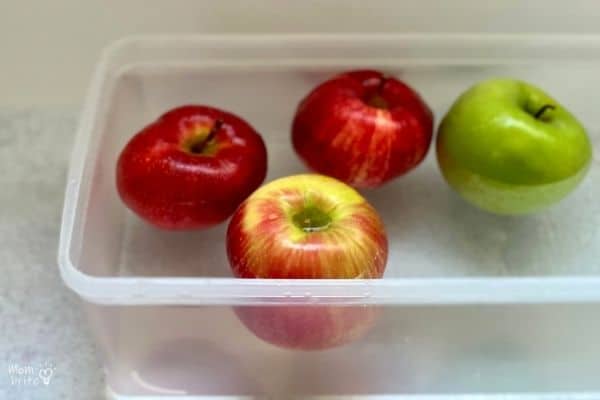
470, 302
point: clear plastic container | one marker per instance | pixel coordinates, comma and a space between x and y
471, 303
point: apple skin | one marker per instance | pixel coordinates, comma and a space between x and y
264, 239
495, 152
302, 327
191, 168
340, 236
362, 128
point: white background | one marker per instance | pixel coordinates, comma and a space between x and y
48, 48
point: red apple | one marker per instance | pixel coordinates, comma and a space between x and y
306, 226
191, 168
305, 327
363, 128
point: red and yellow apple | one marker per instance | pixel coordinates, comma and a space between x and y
309, 327
191, 168
363, 128
306, 226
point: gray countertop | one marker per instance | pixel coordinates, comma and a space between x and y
41, 325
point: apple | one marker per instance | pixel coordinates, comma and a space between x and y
306, 226
191, 168
309, 327
509, 148
363, 128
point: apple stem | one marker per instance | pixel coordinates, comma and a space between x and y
543, 109
198, 147
382, 83
377, 99
312, 219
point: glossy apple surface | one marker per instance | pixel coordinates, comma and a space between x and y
191, 168
509, 148
362, 128
307, 226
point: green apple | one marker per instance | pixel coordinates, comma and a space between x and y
509, 148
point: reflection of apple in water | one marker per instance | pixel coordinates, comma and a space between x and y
191, 167
509, 148
306, 226
363, 128
308, 327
